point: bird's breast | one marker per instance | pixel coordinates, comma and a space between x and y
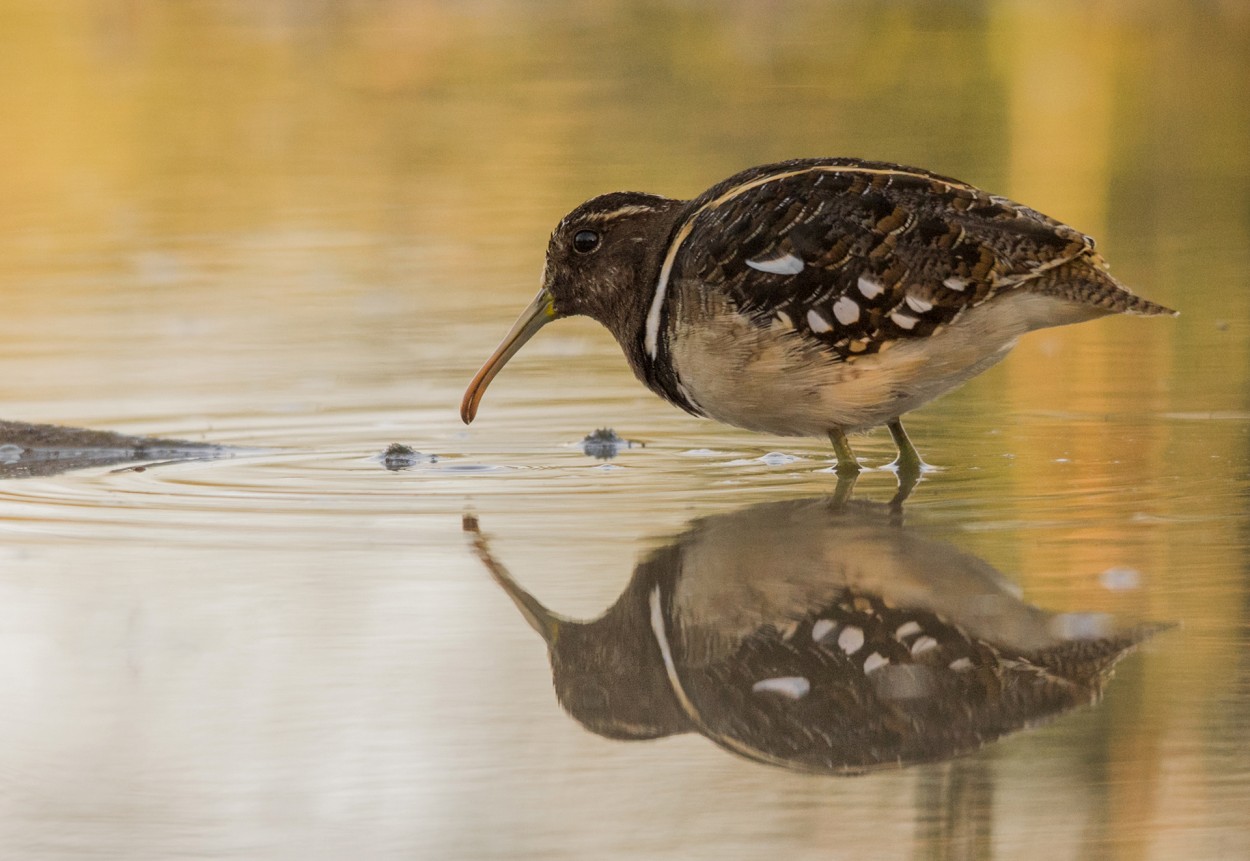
764, 375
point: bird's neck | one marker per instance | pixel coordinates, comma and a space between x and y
625, 312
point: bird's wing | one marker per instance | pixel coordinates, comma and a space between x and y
858, 255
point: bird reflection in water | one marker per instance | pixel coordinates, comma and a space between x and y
821, 637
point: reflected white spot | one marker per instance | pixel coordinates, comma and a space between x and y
956, 284
869, 288
1081, 626
794, 687
903, 321
846, 310
874, 662
787, 265
907, 629
823, 628
851, 639
818, 323
961, 664
917, 304
923, 644
1120, 578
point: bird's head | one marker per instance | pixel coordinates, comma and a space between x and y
601, 261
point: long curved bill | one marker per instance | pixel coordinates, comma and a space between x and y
539, 313
542, 620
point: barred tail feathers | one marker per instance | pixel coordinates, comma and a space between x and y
1086, 283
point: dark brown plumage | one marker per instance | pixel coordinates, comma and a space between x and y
817, 296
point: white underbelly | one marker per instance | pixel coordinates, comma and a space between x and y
778, 381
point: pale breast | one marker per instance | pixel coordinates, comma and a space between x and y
773, 379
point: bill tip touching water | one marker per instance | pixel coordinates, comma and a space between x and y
815, 297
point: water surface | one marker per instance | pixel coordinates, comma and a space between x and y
297, 232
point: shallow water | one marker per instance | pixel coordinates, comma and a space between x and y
298, 232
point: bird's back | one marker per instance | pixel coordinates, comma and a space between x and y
835, 293
858, 255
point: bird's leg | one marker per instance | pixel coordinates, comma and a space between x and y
848, 465
842, 491
908, 463
906, 484
908, 459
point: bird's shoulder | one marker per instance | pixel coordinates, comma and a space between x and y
859, 254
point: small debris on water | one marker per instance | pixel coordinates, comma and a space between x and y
28, 450
399, 457
605, 444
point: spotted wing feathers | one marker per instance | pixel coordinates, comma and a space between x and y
860, 255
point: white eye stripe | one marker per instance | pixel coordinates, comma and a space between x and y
600, 218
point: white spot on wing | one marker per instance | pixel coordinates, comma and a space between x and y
903, 321
850, 639
869, 288
818, 323
794, 687
821, 629
874, 662
846, 310
960, 664
907, 629
923, 644
917, 304
787, 265
956, 284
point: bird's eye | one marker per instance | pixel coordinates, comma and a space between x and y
585, 241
